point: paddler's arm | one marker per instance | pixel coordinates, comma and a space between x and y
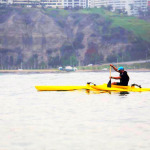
117, 78
114, 67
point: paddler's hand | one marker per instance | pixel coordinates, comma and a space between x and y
111, 65
110, 77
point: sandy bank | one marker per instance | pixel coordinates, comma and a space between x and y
58, 71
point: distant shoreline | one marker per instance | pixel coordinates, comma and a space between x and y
58, 71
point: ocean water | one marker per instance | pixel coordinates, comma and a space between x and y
74, 120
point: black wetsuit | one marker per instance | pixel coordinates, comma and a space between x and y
124, 79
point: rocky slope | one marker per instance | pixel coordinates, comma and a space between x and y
38, 38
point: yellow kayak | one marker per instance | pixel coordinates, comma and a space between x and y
102, 87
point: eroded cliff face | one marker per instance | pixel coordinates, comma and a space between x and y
35, 38
25, 34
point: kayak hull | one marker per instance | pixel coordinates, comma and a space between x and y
102, 87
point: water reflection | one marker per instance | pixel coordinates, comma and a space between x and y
109, 92
95, 92
123, 93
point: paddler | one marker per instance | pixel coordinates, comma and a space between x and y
124, 78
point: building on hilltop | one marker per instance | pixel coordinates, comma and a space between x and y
26, 2
6, 1
76, 3
40, 3
3, 1
53, 3
112, 4
139, 6
131, 7
98, 3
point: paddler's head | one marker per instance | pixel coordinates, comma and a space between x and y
121, 69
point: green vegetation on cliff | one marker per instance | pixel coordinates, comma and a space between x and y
139, 27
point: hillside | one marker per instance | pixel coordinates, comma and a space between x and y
36, 38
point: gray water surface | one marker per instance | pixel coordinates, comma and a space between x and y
32, 120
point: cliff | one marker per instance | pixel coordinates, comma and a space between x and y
37, 38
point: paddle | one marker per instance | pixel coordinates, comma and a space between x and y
109, 83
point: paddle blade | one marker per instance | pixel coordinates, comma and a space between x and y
109, 83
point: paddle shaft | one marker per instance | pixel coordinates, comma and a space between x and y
109, 83
110, 75
110, 71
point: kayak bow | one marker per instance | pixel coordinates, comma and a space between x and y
61, 88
